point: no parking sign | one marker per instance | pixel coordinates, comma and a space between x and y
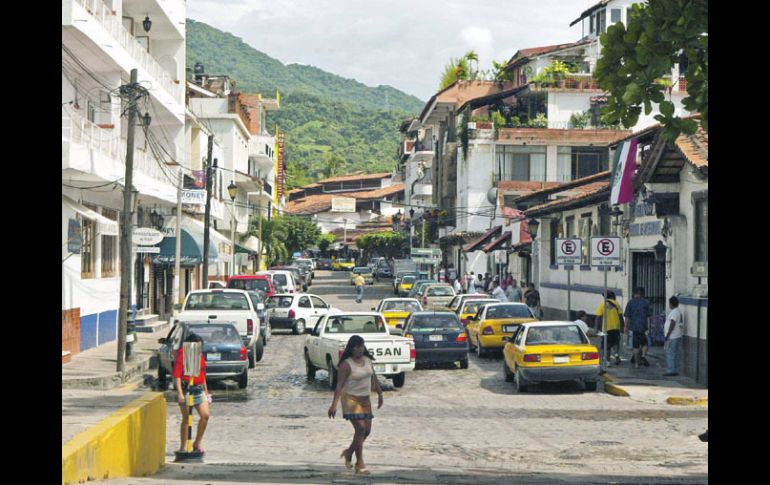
569, 251
605, 251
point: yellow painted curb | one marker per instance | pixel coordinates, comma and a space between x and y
130, 442
688, 401
615, 390
608, 378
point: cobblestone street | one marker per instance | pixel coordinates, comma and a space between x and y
445, 425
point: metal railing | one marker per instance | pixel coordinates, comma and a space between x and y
114, 26
108, 142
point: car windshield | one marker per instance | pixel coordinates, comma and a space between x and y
279, 301
473, 306
249, 284
409, 279
325, 260
401, 306
441, 291
217, 301
280, 279
355, 324
561, 334
362, 270
216, 334
431, 323
508, 311
343, 260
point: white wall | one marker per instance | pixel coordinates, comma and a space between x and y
562, 105
475, 177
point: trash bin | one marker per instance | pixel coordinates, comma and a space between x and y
130, 332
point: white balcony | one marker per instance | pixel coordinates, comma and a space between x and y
94, 20
96, 153
421, 189
262, 153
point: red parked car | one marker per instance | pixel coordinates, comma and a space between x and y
251, 282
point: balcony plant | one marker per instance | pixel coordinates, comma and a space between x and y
539, 121
579, 121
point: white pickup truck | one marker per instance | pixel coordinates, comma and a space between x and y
394, 355
226, 305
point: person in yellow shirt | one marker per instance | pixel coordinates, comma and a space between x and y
360, 282
613, 325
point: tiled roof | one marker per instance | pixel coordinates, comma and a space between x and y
581, 185
367, 176
497, 242
695, 148
313, 204
460, 92
587, 194
525, 185
473, 246
538, 51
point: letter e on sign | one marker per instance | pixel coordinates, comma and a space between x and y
605, 251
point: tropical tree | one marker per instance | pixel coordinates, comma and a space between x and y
301, 233
332, 164
274, 233
636, 57
324, 241
455, 70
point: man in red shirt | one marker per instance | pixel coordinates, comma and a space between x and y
200, 393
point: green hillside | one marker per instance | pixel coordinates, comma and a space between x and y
333, 124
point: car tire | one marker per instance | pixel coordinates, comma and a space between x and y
480, 352
590, 385
243, 379
399, 380
309, 368
464, 363
507, 372
518, 383
260, 350
252, 354
332, 374
299, 327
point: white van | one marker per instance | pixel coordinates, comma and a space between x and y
283, 279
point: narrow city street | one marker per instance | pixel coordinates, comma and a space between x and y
444, 426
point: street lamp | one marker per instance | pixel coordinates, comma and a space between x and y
146, 119
660, 252
532, 227
156, 219
397, 221
232, 189
147, 23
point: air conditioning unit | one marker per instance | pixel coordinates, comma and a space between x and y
700, 269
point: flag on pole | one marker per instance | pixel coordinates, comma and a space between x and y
623, 166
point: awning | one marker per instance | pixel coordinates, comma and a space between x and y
104, 226
476, 245
497, 242
252, 244
243, 250
192, 244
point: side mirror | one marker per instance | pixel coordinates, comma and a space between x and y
178, 306
261, 307
162, 340
373, 309
506, 339
309, 331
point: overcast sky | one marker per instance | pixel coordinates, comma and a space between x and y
401, 43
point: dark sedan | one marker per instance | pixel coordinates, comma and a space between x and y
439, 337
226, 356
324, 263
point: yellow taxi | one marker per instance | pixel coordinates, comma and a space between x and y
470, 307
550, 352
493, 322
406, 284
397, 310
343, 264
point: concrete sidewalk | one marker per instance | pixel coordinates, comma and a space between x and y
647, 384
96, 368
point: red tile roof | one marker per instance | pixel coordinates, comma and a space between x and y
473, 246
695, 148
585, 196
524, 54
313, 204
578, 186
524, 185
497, 242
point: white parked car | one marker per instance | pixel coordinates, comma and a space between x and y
227, 305
296, 311
284, 279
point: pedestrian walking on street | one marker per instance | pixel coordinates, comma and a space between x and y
200, 393
532, 299
360, 283
355, 381
458, 287
674, 329
613, 325
465, 282
472, 284
498, 292
513, 292
638, 313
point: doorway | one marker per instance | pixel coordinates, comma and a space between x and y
651, 275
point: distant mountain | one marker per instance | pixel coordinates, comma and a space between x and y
333, 125
224, 53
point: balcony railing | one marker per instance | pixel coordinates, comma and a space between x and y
113, 25
107, 141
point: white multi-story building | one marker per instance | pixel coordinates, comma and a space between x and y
102, 42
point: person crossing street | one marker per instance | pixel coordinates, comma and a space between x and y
360, 283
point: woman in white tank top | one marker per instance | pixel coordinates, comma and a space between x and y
355, 381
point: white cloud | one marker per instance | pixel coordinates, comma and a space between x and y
402, 43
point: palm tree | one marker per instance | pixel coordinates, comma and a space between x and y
273, 236
472, 56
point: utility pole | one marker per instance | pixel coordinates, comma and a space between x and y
125, 226
207, 215
259, 228
345, 235
178, 232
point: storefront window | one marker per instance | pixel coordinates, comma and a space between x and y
109, 248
